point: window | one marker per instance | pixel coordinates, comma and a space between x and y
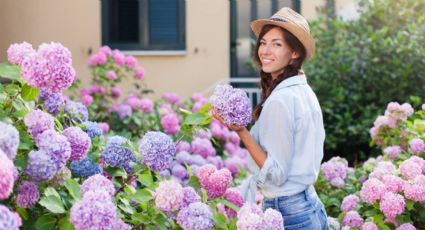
143, 24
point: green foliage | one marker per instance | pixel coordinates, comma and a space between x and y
360, 66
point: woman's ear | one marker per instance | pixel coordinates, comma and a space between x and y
295, 55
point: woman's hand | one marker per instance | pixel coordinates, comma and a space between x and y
231, 127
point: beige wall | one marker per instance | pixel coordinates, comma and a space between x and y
76, 24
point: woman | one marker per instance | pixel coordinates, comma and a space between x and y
286, 142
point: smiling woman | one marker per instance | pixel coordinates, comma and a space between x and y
286, 142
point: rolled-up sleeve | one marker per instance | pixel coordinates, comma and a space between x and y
276, 138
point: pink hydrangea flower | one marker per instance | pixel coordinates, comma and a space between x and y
87, 100
410, 169
6, 176
392, 205
146, 105
111, 75
393, 152
169, 196
139, 73
372, 190
171, 124
131, 62
417, 146
415, 189
393, 183
369, 226
352, 219
214, 181
406, 226
349, 203
17, 52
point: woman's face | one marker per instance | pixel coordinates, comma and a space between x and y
274, 52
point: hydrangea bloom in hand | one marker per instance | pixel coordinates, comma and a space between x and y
232, 104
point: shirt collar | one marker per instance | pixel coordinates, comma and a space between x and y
295, 80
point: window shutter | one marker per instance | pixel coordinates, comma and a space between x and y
163, 22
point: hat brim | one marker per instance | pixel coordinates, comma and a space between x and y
305, 38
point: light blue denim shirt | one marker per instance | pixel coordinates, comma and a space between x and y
290, 130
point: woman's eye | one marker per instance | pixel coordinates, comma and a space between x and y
262, 43
278, 44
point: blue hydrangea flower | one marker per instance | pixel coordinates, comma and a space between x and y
76, 111
40, 166
93, 129
232, 104
116, 155
9, 140
157, 150
85, 168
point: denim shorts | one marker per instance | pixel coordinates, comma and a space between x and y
300, 211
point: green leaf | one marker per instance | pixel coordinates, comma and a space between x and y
205, 108
142, 195
73, 188
127, 208
229, 204
12, 89
45, 223
140, 218
65, 224
28, 93
195, 119
50, 191
410, 204
9, 71
23, 213
220, 220
146, 178
21, 113
53, 204
194, 182
116, 172
204, 195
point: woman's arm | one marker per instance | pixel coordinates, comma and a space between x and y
256, 152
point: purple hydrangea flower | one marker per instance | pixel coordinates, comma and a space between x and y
6, 176
28, 195
76, 111
52, 102
94, 211
197, 216
335, 170
93, 129
124, 111
79, 140
202, 147
115, 154
146, 105
38, 121
98, 183
85, 168
56, 146
9, 140
9, 220
17, 52
417, 146
172, 98
179, 171
40, 166
169, 196
250, 217
232, 104
157, 150
393, 152
49, 69
190, 196
415, 189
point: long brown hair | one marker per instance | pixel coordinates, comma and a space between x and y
267, 83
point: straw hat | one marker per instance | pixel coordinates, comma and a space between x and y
291, 21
